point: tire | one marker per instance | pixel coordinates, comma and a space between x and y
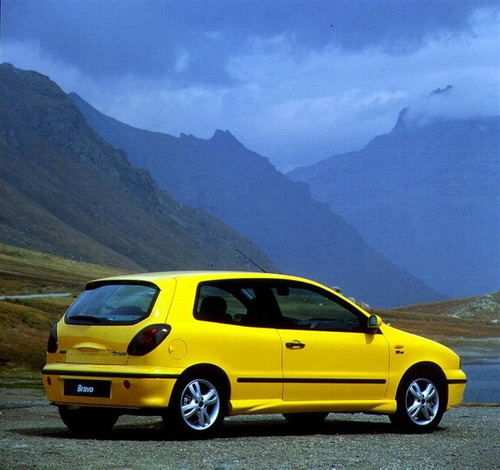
197, 407
421, 401
89, 422
305, 419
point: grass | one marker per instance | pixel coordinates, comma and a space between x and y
24, 329
14, 377
30, 272
25, 323
439, 326
433, 320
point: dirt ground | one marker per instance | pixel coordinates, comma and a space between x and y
33, 436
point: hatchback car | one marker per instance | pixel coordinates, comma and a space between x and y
194, 347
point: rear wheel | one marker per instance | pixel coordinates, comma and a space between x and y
197, 406
86, 421
421, 403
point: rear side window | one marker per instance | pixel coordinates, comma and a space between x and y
113, 304
243, 302
219, 305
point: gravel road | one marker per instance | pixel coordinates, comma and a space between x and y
32, 436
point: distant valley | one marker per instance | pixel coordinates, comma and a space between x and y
411, 218
426, 196
300, 235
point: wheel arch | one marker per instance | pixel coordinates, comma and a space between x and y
431, 370
208, 371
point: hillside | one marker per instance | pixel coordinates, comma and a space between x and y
426, 196
68, 192
28, 272
25, 323
456, 321
229, 181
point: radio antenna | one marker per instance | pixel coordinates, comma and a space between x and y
247, 258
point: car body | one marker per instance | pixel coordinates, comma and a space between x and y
194, 347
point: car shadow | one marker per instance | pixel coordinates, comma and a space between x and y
233, 428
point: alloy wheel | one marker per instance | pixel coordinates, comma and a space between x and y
200, 404
422, 401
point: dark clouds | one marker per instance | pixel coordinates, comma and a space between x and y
441, 91
294, 80
117, 37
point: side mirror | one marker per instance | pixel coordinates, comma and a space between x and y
374, 322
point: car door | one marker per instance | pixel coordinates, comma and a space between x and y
236, 338
328, 352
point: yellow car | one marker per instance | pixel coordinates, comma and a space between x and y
194, 347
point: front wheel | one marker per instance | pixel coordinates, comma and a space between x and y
420, 404
197, 407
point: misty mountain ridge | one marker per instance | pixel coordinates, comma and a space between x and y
301, 236
66, 191
426, 195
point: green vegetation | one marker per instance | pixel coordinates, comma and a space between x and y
24, 328
15, 377
445, 321
25, 323
32, 272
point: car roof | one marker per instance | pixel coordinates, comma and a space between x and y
160, 278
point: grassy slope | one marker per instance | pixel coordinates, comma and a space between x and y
434, 321
30, 272
469, 326
66, 191
25, 324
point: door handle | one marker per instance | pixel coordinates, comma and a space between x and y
295, 345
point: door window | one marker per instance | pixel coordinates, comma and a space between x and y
305, 308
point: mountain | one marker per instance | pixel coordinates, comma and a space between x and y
66, 191
242, 188
427, 196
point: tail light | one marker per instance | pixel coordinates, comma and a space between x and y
148, 339
52, 343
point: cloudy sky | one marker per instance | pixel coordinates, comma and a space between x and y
296, 81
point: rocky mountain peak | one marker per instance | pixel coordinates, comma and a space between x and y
220, 135
66, 190
226, 138
402, 122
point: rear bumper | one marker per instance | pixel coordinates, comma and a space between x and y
129, 387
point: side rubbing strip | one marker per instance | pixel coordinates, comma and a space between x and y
457, 381
309, 381
109, 374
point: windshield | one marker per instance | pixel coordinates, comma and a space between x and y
112, 304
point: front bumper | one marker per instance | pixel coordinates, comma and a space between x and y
456, 386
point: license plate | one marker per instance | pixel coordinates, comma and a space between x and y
87, 388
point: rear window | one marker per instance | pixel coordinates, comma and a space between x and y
113, 304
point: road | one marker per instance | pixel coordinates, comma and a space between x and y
32, 436
33, 296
